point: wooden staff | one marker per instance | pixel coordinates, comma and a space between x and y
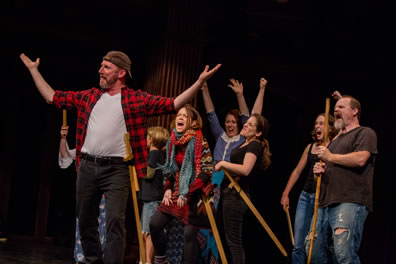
290, 225
255, 212
318, 181
135, 188
214, 229
64, 117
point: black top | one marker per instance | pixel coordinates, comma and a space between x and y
237, 156
310, 183
342, 184
153, 189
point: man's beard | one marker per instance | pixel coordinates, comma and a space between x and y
106, 84
339, 124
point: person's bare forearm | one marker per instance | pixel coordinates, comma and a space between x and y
63, 147
354, 159
243, 108
187, 95
44, 88
258, 104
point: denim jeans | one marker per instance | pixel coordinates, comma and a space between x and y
345, 244
302, 222
148, 211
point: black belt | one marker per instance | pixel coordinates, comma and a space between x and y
100, 160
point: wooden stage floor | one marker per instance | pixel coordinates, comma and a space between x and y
32, 252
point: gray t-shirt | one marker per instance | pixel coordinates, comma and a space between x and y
342, 184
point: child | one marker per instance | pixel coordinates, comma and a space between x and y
152, 190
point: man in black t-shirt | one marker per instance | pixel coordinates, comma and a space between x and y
346, 193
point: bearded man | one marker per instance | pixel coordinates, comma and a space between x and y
346, 193
103, 116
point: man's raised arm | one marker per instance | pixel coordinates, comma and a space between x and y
188, 94
44, 88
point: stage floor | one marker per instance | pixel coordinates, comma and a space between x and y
32, 252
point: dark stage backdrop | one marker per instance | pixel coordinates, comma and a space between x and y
305, 49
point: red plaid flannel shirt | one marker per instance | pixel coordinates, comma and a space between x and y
136, 105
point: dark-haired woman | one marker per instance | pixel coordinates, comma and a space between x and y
229, 137
306, 201
226, 139
246, 161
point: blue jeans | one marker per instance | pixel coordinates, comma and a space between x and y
302, 222
344, 222
148, 211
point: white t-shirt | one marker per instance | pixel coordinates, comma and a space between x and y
106, 128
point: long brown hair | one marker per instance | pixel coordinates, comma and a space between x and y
263, 126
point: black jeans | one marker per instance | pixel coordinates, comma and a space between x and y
191, 249
234, 210
92, 181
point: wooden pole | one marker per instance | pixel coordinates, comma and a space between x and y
318, 182
64, 117
290, 225
134, 183
255, 212
214, 229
